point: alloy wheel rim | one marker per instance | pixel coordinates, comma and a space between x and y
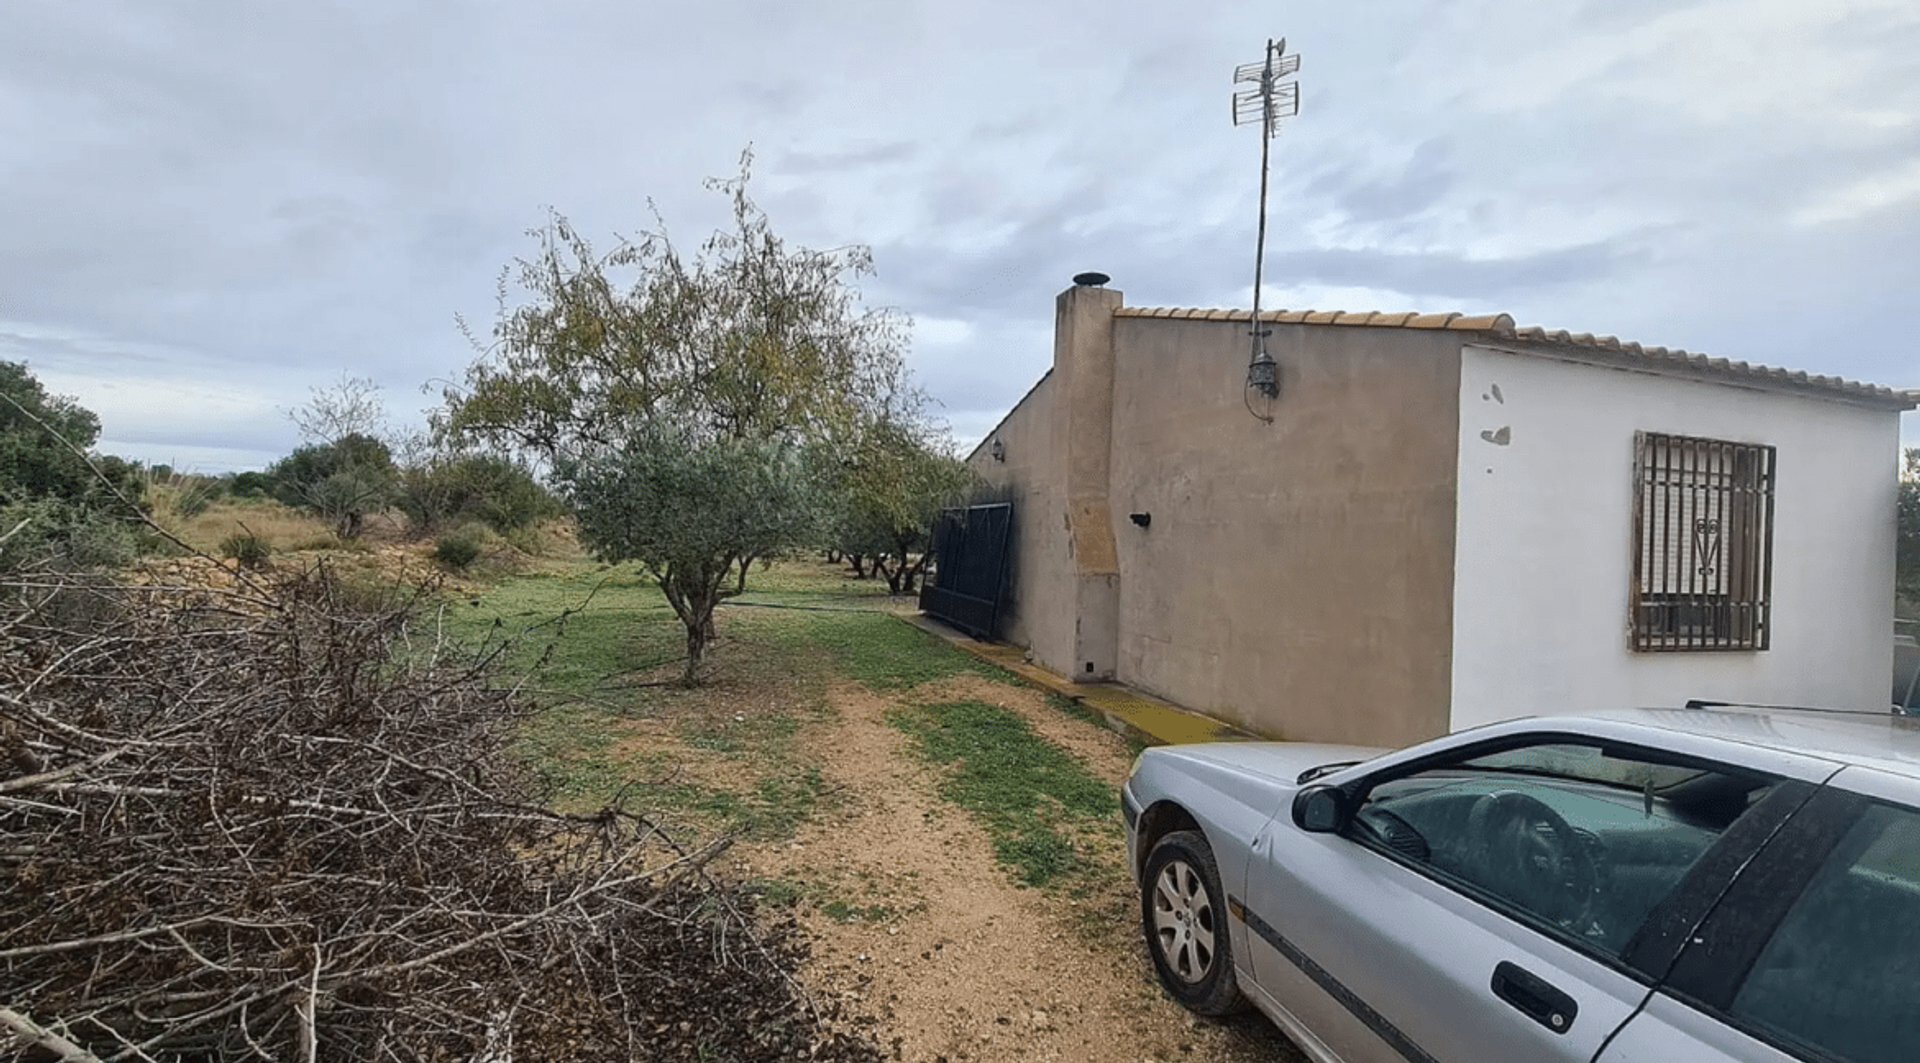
1183, 926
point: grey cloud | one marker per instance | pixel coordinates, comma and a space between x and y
1359, 189
1619, 14
1456, 276
804, 163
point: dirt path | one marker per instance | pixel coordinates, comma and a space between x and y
916, 925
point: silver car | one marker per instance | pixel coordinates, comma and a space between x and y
1699, 884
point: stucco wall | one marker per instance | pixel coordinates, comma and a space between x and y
1544, 550
1295, 576
1039, 613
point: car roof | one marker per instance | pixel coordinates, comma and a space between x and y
1884, 741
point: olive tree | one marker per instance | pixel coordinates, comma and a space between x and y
341, 481
692, 378
884, 492
694, 514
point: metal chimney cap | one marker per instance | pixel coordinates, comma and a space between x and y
1090, 280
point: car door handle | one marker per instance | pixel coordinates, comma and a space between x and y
1534, 996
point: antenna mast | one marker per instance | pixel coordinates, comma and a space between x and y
1266, 102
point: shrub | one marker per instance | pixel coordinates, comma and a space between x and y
342, 481
186, 497
250, 550
457, 551
495, 491
251, 485
529, 539
65, 536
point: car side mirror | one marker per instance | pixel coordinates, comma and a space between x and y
1321, 809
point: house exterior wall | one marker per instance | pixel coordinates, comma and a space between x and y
1544, 542
1294, 577
1038, 612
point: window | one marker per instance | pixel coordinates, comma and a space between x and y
1580, 840
1703, 544
1839, 973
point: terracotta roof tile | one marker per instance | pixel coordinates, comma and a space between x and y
1501, 327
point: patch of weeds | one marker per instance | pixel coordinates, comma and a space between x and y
741, 733
785, 801
777, 893
886, 653
771, 811
841, 912
1031, 796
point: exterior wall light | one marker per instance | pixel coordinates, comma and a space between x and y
998, 450
1263, 375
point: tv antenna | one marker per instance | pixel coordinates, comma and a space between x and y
1266, 102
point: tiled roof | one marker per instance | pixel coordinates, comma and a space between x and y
1500, 327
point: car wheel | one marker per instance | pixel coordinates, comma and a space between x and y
1183, 912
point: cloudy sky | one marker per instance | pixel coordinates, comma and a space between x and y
209, 207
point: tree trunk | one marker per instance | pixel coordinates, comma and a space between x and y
693, 596
859, 563
913, 574
697, 634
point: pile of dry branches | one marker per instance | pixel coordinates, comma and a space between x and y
280, 824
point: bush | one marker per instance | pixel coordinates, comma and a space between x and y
342, 481
495, 491
251, 485
529, 540
457, 551
250, 550
65, 536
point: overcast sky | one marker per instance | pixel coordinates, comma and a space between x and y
208, 208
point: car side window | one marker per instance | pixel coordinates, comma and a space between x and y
1584, 839
1839, 971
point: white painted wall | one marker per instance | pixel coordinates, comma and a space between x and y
1543, 548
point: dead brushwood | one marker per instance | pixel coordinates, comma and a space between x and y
276, 824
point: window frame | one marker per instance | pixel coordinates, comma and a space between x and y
1702, 526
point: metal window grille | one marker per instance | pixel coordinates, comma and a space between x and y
1703, 544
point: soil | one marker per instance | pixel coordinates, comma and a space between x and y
915, 925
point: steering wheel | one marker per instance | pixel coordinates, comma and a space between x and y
1531, 856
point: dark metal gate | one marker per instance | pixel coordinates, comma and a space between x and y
970, 568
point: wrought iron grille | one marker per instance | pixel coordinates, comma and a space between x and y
1703, 544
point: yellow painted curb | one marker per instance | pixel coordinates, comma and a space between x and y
1125, 709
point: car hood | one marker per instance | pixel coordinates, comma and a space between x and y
1279, 761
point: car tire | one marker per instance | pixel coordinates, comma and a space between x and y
1183, 914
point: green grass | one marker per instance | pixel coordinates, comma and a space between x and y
597, 648
1031, 796
884, 652
769, 811
595, 643
576, 626
815, 584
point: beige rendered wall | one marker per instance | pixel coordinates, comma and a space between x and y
1055, 468
1295, 577
1039, 615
